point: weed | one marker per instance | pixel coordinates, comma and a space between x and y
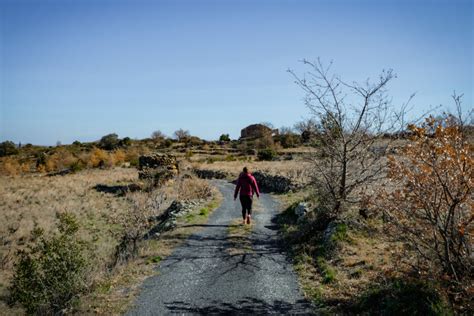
327, 272
154, 259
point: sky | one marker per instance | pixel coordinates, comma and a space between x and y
80, 69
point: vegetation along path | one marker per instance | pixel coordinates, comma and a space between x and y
209, 274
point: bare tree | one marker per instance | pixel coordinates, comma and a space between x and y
351, 119
157, 136
307, 128
182, 134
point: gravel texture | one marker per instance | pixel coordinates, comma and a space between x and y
203, 277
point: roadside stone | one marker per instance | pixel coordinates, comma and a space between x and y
301, 209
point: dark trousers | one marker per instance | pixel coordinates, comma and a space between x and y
246, 201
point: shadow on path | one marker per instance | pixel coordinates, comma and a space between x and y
246, 305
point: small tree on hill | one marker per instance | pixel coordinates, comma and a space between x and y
181, 134
109, 142
8, 148
157, 136
224, 138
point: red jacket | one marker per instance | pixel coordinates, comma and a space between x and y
247, 185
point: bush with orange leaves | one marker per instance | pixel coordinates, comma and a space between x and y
430, 205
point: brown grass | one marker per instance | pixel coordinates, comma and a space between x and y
35, 199
296, 169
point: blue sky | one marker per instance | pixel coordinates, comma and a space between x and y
77, 70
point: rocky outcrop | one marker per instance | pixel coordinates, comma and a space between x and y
274, 183
211, 174
157, 167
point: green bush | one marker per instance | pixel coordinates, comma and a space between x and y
266, 154
402, 297
109, 142
125, 142
50, 274
8, 148
224, 138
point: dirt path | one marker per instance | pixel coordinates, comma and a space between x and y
204, 276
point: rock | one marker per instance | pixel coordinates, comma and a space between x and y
301, 209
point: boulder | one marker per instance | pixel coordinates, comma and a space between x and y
301, 209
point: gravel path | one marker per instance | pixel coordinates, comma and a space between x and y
203, 277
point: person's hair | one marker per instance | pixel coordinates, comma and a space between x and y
246, 170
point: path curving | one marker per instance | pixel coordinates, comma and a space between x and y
203, 277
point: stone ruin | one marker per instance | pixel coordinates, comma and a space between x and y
157, 167
257, 131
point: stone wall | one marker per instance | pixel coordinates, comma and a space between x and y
274, 183
157, 167
211, 174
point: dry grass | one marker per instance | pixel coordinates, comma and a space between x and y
364, 257
117, 291
296, 169
33, 200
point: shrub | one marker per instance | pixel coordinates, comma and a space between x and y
192, 188
224, 138
125, 142
60, 160
99, 158
8, 148
119, 157
400, 297
109, 142
431, 208
9, 166
50, 274
266, 154
136, 223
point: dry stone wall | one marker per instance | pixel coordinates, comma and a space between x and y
157, 167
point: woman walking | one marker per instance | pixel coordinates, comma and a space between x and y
247, 185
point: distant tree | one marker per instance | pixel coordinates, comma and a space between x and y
181, 134
287, 137
58, 143
157, 136
125, 142
224, 138
307, 129
8, 148
77, 143
109, 142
